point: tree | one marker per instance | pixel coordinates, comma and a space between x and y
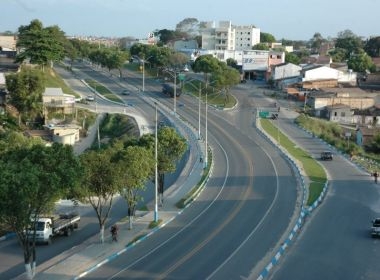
261, 46
171, 147
316, 42
372, 47
32, 178
360, 62
206, 64
189, 26
232, 62
225, 78
137, 163
349, 41
292, 58
102, 180
267, 38
40, 45
338, 55
115, 59
26, 90
177, 59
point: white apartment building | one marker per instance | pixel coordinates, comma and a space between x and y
246, 37
229, 37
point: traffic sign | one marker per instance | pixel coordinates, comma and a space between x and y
264, 114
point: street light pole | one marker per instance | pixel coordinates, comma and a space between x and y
206, 151
175, 93
156, 170
143, 74
199, 112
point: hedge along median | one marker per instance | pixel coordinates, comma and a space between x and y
313, 170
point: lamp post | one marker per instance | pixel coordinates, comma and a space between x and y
199, 112
173, 74
143, 72
155, 169
175, 93
143, 75
206, 151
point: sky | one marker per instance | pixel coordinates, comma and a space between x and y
288, 19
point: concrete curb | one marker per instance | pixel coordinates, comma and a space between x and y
303, 213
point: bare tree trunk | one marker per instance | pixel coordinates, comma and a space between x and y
130, 222
102, 234
29, 271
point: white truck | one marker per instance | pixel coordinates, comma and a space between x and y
375, 229
48, 227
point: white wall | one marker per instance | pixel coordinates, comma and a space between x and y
320, 73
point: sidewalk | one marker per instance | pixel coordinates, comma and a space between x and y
92, 254
80, 260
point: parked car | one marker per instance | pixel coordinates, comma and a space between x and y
326, 155
375, 229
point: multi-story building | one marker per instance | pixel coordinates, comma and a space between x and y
229, 37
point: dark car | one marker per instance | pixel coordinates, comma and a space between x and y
125, 92
326, 155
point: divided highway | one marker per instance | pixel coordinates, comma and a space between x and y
240, 217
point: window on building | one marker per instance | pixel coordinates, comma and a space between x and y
249, 33
335, 114
249, 39
342, 114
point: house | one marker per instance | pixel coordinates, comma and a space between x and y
284, 74
368, 117
316, 76
354, 98
54, 98
64, 134
339, 113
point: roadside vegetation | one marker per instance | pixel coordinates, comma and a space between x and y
368, 156
311, 168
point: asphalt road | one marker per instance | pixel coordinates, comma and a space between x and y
11, 255
232, 228
335, 242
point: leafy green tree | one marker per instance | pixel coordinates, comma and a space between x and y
32, 178
267, 38
137, 163
26, 90
171, 147
338, 55
71, 52
189, 26
40, 45
177, 59
349, 41
206, 64
292, 58
12, 140
232, 62
102, 180
360, 62
316, 42
115, 60
261, 46
225, 78
372, 46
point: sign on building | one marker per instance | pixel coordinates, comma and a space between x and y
255, 60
